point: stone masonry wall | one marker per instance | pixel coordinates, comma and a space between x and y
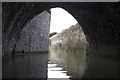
34, 36
71, 39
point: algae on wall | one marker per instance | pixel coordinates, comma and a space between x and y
71, 39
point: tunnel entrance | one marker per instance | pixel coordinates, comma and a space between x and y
24, 32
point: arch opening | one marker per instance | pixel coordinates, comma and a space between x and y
70, 36
99, 22
34, 37
66, 40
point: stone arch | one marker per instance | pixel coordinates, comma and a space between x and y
99, 21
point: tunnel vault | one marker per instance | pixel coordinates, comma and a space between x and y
100, 23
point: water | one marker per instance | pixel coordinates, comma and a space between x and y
59, 64
74, 64
54, 71
33, 65
79, 65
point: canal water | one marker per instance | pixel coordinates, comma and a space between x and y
73, 63
78, 65
59, 64
55, 71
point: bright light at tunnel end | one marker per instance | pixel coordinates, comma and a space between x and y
60, 20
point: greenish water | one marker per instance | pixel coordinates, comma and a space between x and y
79, 65
32, 65
59, 64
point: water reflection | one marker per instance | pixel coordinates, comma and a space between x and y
25, 66
79, 65
61, 65
99, 67
55, 71
73, 63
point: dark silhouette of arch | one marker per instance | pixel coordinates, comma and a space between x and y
99, 21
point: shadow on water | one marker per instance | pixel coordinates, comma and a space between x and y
99, 67
25, 66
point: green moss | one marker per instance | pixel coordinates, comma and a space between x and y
59, 44
49, 11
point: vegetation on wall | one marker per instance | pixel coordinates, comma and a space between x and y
52, 34
49, 11
71, 39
